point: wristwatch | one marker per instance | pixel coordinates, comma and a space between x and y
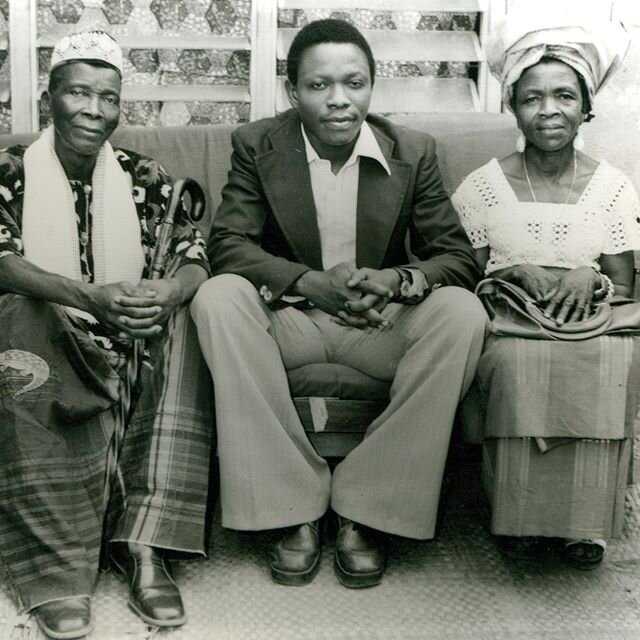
406, 282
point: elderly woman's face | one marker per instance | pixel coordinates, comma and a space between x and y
548, 105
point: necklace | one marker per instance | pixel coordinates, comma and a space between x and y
573, 180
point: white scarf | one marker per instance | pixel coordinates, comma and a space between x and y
49, 224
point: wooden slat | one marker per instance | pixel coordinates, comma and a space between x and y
413, 95
22, 27
424, 6
228, 43
456, 46
264, 27
186, 93
335, 445
489, 92
344, 416
182, 93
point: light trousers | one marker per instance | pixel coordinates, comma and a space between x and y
270, 474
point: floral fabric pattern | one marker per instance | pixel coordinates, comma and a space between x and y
151, 191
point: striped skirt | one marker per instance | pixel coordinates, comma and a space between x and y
558, 427
59, 407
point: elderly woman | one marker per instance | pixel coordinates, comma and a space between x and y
562, 227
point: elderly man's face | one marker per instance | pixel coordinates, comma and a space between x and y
85, 106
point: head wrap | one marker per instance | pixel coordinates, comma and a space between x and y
594, 50
87, 46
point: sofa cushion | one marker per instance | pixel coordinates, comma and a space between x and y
336, 381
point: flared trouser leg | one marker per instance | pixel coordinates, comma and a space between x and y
391, 481
270, 475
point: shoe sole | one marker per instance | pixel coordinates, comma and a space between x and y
356, 580
300, 579
588, 564
66, 635
582, 565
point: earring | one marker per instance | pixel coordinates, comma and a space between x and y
578, 142
521, 143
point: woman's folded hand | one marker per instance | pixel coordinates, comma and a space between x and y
537, 281
572, 298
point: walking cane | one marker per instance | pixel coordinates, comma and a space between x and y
161, 265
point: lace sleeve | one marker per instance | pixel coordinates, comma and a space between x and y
622, 218
472, 211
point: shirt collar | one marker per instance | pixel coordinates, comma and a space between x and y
366, 145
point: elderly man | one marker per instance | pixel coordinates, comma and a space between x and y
100, 404
309, 245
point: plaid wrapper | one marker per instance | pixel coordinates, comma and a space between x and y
58, 410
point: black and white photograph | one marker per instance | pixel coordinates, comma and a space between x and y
319, 319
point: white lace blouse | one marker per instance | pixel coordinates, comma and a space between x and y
606, 219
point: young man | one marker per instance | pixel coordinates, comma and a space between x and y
102, 439
309, 248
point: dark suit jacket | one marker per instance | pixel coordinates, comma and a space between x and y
266, 229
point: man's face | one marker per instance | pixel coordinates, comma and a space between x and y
85, 107
332, 94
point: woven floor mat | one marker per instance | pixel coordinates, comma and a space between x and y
457, 587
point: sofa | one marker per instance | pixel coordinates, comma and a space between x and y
336, 403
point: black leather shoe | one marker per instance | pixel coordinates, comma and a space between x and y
360, 557
153, 594
65, 619
295, 558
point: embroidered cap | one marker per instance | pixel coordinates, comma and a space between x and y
88, 45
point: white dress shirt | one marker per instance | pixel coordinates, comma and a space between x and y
336, 196
336, 200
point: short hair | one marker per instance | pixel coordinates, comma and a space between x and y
584, 92
55, 76
321, 32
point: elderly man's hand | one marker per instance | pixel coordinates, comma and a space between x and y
147, 311
136, 311
112, 304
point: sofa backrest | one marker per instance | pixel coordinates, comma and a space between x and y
200, 152
464, 142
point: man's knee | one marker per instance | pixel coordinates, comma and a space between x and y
222, 295
456, 310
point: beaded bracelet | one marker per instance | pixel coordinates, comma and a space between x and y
607, 289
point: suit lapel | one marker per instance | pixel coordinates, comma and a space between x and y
284, 174
380, 198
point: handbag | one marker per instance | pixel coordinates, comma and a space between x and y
513, 312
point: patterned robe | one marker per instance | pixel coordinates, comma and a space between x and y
62, 388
